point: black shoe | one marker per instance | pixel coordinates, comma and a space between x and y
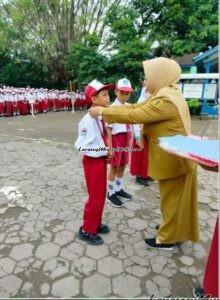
114, 200
103, 229
198, 293
150, 179
90, 238
124, 195
145, 181
138, 180
152, 244
141, 181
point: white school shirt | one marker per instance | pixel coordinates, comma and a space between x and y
40, 96
142, 98
14, 98
73, 96
6, 97
116, 127
30, 97
20, 97
43, 96
90, 138
2, 98
10, 97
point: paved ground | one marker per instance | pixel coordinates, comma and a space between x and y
41, 198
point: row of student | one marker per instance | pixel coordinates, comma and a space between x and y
23, 101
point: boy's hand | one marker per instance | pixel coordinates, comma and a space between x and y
140, 143
95, 111
110, 153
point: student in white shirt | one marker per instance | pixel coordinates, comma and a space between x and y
14, 101
31, 99
8, 104
119, 137
73, 99
2, 102
92, 142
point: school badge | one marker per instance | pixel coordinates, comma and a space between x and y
83, 132
156, 103
125, 82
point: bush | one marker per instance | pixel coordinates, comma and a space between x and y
194, 106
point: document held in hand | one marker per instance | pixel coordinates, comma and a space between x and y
198, 149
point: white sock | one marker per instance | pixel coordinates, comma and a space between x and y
111, 189
118, 184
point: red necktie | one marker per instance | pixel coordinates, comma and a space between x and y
128, 127
104, 133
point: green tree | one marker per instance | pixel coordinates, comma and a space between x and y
20, 71
129, 47
84, 63
45, 29
52, 41
178, 26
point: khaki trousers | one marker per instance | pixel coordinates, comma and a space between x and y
179, 208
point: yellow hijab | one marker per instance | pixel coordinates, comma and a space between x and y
162, 75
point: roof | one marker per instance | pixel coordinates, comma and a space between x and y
186, 59
206, 54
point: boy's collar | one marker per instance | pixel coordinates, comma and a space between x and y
117, 100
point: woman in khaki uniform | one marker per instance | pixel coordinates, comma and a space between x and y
164, 114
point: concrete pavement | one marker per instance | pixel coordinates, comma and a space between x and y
41, 200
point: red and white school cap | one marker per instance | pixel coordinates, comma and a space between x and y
94, 87
124, 85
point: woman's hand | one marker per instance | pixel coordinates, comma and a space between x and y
95, 111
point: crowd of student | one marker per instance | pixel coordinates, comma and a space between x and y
24, 101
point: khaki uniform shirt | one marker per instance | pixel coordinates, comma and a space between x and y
160, 118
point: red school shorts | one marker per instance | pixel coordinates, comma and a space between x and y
120, 158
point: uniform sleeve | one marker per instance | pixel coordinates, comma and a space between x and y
146, 112
86, 134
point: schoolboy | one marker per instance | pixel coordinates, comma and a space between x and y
92, 142
119, 137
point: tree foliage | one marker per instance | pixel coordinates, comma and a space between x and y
46, 29
48, 42
84, 63
179, 26
129, 47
